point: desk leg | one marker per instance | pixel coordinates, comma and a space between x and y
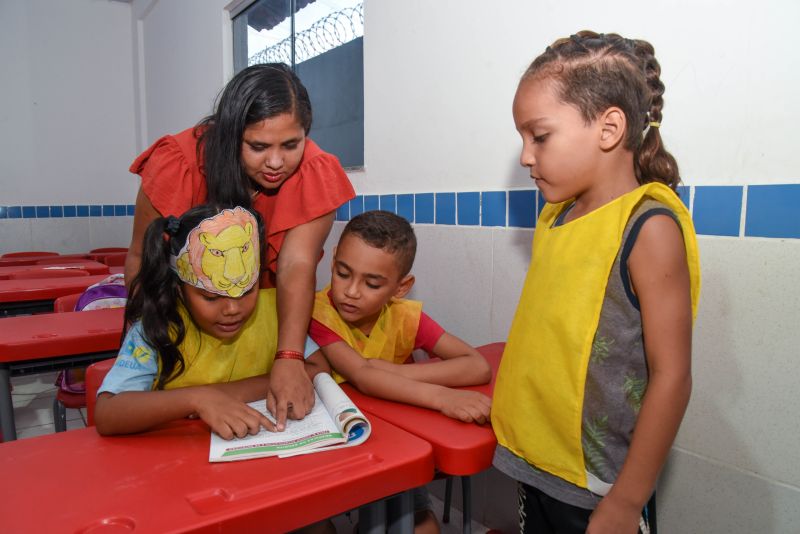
372, 518
6, 406
466, 517
401, 513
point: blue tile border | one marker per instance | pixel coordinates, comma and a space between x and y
423, 208
493, 212
58, 211
469, 208
405, 206
445, 208
718, 209
770, 211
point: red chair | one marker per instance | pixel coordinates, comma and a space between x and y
108, 249
27, 254
115, 259
95, 374
66, 303
72, 258
65, 399
46, 273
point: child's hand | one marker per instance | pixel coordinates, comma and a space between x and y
613, 516
227, 416
464, 405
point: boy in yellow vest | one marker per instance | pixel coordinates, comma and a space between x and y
367, 330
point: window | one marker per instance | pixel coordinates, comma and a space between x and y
323, 42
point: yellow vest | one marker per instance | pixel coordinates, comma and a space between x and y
210, 360
391, 339
538, 396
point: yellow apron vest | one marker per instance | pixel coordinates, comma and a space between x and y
538, 396
210, 360
391, 339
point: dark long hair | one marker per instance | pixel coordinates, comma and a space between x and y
155, 293
596, 71
256, 93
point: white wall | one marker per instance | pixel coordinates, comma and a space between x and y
183, 58
67, 119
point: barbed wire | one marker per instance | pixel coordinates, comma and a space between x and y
325, 34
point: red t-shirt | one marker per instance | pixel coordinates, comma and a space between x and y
173, 181
428, 333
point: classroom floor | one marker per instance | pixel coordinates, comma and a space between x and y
33, 411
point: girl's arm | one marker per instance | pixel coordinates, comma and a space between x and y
296, 280
144, 214
461, 365
221, 406
466, 406
660, 279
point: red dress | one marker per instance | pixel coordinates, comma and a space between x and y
173, 181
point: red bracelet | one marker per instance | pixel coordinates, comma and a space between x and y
289, 355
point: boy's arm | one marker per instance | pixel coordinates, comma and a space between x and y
317, 363
221, 406
661, 280
467, 406
461, 365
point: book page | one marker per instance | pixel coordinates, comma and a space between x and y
317, 429
344, 413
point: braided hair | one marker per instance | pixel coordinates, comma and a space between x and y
594, 72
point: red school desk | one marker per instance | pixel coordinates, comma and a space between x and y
37, 295
33, 343
93, 267
458, 448
161, 481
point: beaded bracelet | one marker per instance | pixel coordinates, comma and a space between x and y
289, 355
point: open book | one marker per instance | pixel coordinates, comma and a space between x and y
334, 422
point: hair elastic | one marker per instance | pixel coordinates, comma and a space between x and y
173, 225
654, 124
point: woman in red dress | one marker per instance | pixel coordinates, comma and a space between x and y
254, 152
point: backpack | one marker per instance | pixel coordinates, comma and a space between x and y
107, 293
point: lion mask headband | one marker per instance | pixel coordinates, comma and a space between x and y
221, 254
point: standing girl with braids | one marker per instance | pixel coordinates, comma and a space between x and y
596, 377
202, 336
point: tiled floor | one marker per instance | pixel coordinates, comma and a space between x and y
33, 410
33, 397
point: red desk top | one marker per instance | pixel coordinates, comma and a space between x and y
15, 262
31, 337
458, 448
44, 288
93, 267
161, 481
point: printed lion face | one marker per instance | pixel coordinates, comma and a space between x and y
229, 260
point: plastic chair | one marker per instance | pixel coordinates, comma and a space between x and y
95, 374
31, 254
65, 399
72, 258
66, 303
46, 273
114, 259
108, 249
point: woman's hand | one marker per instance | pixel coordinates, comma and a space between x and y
290, 393
227, 416
464, 405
